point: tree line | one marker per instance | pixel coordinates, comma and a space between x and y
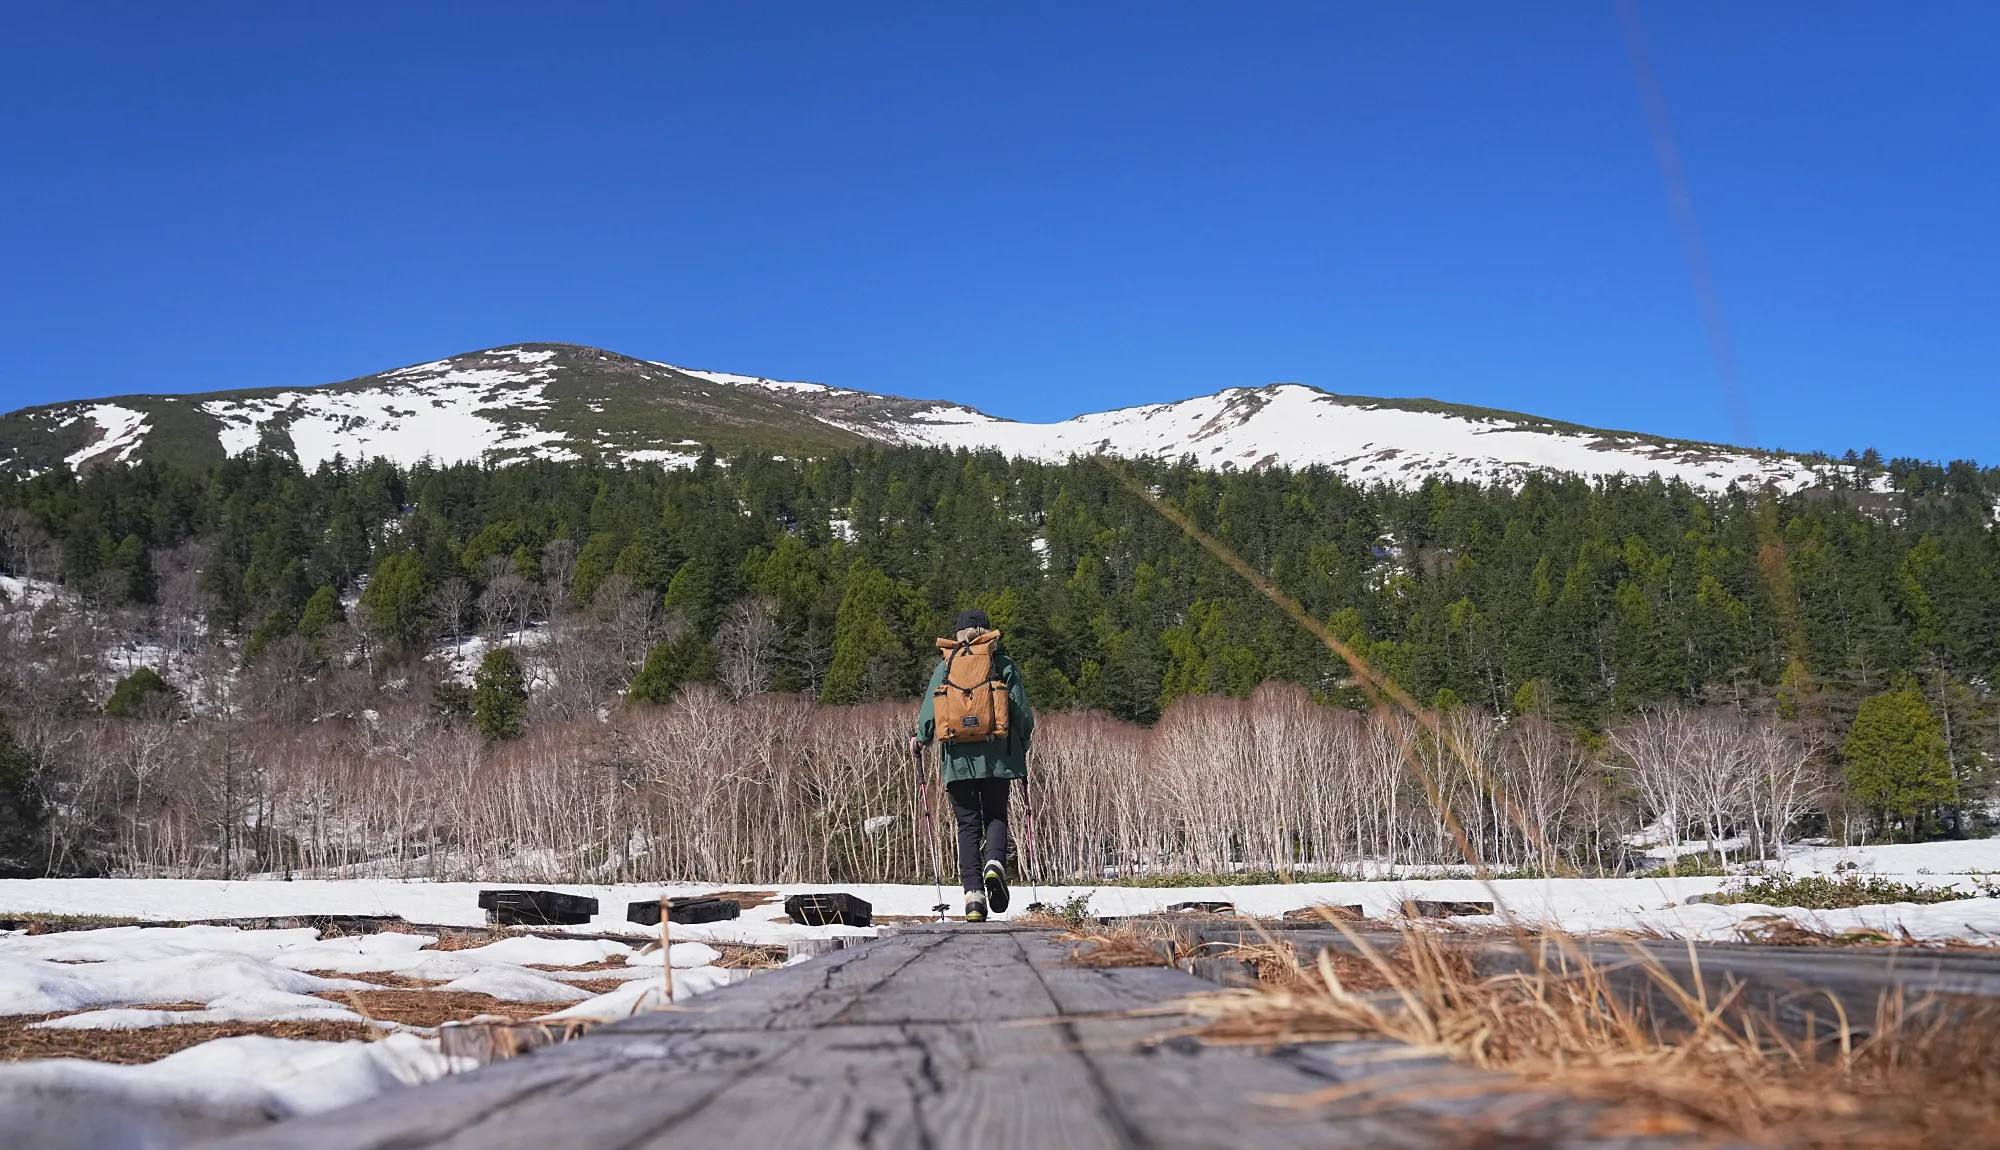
255, 592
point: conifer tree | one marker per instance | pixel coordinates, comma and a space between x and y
499, 695
863, 636
397, 599
1896, 759
321, 612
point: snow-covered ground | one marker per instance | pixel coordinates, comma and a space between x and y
99, 980
1291, 425
442, 411
1581, 904
207, 1090
117, 977
120, 432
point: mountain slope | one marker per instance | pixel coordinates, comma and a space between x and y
564, 401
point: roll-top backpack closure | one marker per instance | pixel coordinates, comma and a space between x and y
970, 705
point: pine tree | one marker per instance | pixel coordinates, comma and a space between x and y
670, 664
863, 635
1896, 758
396, 601
321, 612
499, 695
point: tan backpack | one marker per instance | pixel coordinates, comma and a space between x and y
970, 706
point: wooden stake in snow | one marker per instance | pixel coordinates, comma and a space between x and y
667, 949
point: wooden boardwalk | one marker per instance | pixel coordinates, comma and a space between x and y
944, 1036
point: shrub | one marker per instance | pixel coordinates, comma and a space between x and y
1822, 892
139, 693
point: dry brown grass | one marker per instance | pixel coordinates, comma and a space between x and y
598, 985
19, 1041
1780, 931
735, 957
433, 1007
1277, 965
382, 978
466, 939
1319, 912
618, 963
1917, 1076
1124, 946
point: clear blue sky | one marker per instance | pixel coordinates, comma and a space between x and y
1037, 209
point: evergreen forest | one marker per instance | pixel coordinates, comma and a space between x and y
1588, 604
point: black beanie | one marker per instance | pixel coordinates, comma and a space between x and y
972, 617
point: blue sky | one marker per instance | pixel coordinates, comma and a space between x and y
1036, 209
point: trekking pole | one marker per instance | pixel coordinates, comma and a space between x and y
930, 829
1034, 888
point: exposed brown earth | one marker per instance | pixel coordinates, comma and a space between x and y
433, 1007
19, 1041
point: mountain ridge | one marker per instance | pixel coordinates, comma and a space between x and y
557, 400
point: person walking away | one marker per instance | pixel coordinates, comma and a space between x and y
977, 707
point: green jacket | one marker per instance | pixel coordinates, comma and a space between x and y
996, 758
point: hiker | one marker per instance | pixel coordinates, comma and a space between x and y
977, 706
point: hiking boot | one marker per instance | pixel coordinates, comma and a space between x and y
996, 886
975, 908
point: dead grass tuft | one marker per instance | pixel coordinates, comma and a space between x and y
466, 938
434, 1007
735, 957
1124, 946
18, 1041
1780, 931
384, 979
1919, 1075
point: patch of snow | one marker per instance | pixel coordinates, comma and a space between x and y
1913, 861
443, 411
1292, 425
205, 1091
138, 943
243, 1006
685, 955
754, 381
25, 594
38, 986
637, 997
120, 431
531, 951
447, 420
665, 456
516, 986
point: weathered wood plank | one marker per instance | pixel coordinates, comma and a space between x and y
596, 1092
803, 996
1097, 990
982, 1086
939, 1038
966, 977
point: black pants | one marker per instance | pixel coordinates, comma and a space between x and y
981, 808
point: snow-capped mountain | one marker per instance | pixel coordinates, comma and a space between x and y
561, 401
